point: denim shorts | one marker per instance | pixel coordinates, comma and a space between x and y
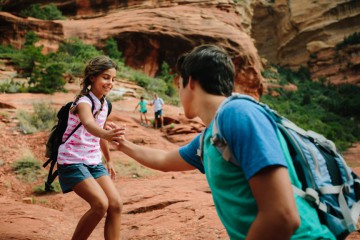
72, 174
158, 113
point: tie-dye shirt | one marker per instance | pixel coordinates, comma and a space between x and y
82, 147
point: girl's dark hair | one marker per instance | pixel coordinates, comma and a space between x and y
94, 67
211, 66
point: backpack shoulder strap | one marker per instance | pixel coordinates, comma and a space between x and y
217, 139
109, 106
92, 102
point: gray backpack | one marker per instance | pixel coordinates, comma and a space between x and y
328, 183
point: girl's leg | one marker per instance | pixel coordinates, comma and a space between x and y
92, 193
112, 222
146, 120
141, 118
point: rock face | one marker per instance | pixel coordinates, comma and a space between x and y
337, 66
151, 32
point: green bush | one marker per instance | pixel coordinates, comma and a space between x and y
27, 169
327, 109
48, 80
46, 12
40, 189
11, 86
168, 77
352, 39
111, 49
43, 118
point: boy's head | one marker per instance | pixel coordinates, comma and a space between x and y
210, 66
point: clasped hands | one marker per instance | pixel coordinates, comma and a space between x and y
116, 133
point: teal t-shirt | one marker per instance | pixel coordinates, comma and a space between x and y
142, 105
253, 139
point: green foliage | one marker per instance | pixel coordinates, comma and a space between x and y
40, 189
11, 86
43, 118
30, 57
27, 169
352, 39
165, 74
47, 12
74, 54
48, 80
327, 109
31, 38
111, 49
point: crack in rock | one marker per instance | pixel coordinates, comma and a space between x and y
157, 206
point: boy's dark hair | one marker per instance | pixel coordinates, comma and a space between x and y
211, 66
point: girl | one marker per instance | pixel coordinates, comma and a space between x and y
143, 110
79, 160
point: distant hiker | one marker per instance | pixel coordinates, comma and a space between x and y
253, 192
158, 107
143, 110
79, 159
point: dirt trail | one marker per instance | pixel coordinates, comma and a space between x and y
172, 206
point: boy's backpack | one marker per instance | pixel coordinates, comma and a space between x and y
55, 139
328, 183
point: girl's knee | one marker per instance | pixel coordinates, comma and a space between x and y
115, 205
100, 206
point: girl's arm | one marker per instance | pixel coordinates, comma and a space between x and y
105, 150
87, 119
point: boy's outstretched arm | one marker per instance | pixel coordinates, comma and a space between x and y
155, 158
277, 217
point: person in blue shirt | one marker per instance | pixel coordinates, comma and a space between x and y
143, 111
253, 194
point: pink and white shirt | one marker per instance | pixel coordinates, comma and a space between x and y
82, 146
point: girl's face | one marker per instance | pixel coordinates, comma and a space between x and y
103, 83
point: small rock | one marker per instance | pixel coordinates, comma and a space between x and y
27, 200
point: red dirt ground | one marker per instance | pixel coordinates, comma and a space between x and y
156, 205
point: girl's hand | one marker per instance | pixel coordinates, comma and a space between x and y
114, 133
111, 170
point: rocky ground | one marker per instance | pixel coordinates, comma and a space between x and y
156, 205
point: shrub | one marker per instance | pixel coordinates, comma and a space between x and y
43, 118
48, 80
327, 109
27, 169
40, 189
352, 39
165, 74
47, 12
111, 49
11, 86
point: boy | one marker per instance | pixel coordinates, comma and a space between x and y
158, 106
253, 195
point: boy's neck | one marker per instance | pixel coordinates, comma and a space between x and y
208, 107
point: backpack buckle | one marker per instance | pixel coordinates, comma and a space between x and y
312, 196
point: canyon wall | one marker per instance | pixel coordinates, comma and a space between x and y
290, 33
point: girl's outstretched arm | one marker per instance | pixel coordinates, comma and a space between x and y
87, 119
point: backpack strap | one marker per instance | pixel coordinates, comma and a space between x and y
109, 106
217, 140
53, 174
